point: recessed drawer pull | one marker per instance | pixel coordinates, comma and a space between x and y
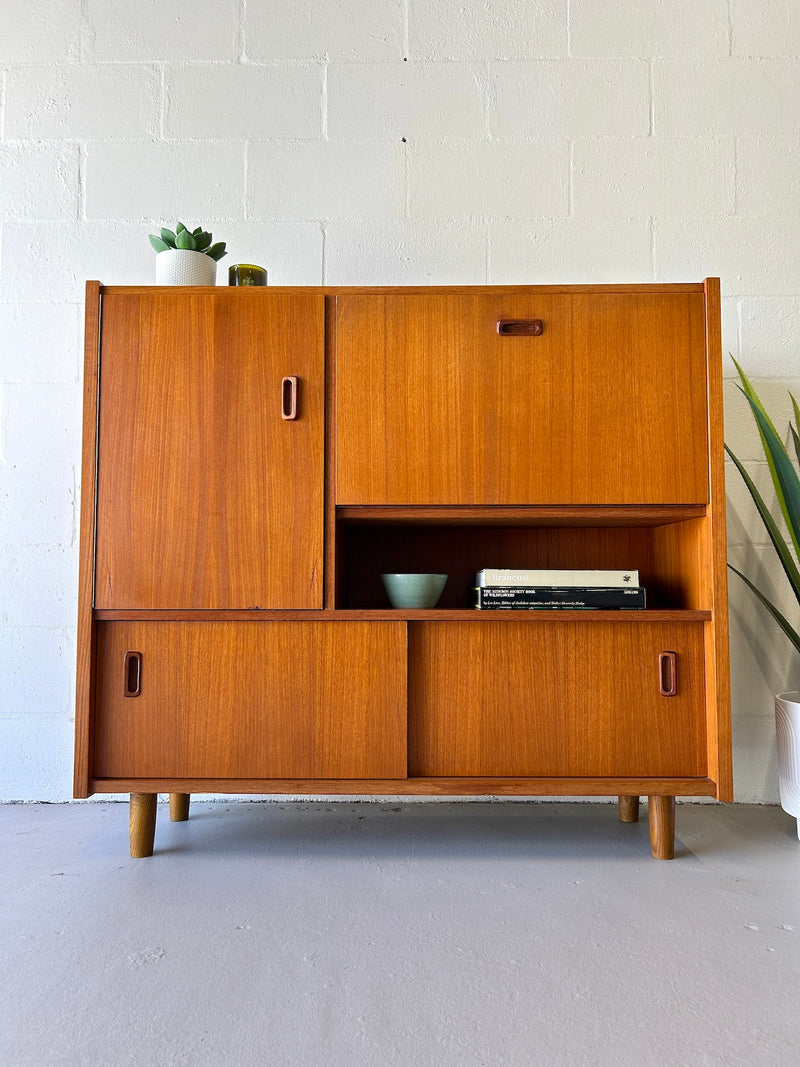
289, 398
668, 674
520, 327
133, 674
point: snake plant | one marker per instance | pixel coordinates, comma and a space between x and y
787, 487
193, 241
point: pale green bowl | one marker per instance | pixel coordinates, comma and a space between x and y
413, 590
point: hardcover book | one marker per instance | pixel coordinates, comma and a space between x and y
545, 597
494, 576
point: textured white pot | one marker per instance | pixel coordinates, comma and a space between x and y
787, 723
179, 266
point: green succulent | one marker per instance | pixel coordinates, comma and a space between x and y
198, 240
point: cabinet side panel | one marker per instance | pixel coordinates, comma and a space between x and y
718, 697
84, 683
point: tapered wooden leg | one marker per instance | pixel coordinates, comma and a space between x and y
628, 809
142, 824
662, 827
178, 807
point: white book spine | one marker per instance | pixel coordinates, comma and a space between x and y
557, 578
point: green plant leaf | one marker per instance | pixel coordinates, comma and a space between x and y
749, 391
202, 241
787, 482
180, 228
780, 546
781, 620
168, 237
197, 231
795, 438
158, 244
217, 251
185, 240
755, 402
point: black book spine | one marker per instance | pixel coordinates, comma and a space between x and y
546, 597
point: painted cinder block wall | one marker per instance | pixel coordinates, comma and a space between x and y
380, 142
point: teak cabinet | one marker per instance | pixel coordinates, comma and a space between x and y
255, 459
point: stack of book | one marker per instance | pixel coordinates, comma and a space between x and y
546, 589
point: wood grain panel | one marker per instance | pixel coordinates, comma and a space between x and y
554, 698
607, 406
207, 498
253, 700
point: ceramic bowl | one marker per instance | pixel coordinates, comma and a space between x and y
413, 590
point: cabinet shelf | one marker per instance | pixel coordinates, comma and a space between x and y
400, 615
532, 515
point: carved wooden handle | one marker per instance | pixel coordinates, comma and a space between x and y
289, 398
520, 327
668, 674
133, 674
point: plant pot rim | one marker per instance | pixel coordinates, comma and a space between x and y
792, 697
184, 252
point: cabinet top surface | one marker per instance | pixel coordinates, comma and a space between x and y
355, 290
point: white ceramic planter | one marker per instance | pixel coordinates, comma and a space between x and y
787, 724
179, 266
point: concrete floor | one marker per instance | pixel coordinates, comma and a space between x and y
328, 934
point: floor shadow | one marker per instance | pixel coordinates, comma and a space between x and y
465, 830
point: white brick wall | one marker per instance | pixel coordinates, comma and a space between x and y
380, 141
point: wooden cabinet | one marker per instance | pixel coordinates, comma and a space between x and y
254, 460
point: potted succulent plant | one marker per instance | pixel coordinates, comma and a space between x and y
186, 257
787, 487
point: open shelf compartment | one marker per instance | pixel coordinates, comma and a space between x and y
669, 547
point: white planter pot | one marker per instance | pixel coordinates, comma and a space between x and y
787, 724
179, 266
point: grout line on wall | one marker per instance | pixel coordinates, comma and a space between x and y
240, 42
3, 441
324, 102
730, 28
3, 81
82, 160
84, 30
162, 110
739, 328
487, 100
406, 184
246, 196
76, 525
